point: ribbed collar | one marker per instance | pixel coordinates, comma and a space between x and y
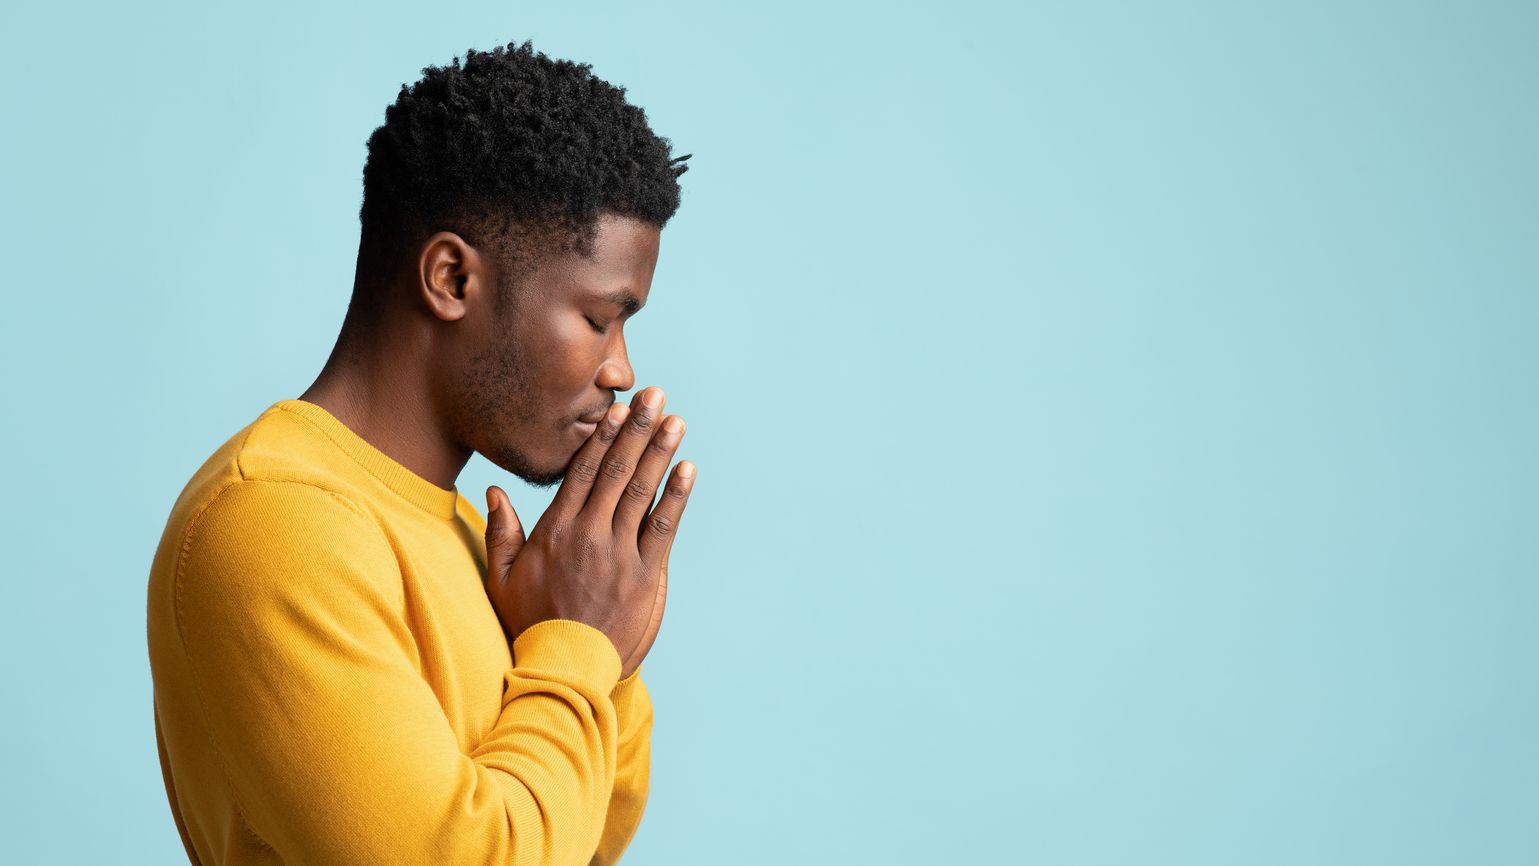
418, 490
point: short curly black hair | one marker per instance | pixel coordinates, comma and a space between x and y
517, 153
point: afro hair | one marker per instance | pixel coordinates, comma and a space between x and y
518, 153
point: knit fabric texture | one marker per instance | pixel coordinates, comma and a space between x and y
332, 685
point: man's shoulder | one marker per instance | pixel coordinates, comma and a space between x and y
284, 446
268, 514
278, 447
278, 467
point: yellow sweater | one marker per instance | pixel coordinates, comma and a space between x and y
333, 686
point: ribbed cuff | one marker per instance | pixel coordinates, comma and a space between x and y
568, 650
621, 694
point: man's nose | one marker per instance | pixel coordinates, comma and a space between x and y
616, 373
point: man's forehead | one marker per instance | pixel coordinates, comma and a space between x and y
584, 280
618, 268
618, 272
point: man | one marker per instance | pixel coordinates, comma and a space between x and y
351, 665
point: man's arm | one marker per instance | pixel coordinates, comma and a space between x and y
627, 802
290, 609
633, 707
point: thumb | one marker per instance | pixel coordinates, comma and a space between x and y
504, 534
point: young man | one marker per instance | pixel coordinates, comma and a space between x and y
351, 665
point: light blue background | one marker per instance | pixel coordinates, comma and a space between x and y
1116, 421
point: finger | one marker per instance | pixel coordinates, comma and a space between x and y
661, 599
584, 468
504, 532
619, 462
661, 525
655, 619
639, 491
668, 549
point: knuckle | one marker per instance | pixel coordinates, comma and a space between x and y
660, 526
581, 543
616, 468
587, 548
643, 421
548, 542
638, 490
556, 530
660, 445
584, 470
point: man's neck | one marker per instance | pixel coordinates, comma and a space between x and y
388, 406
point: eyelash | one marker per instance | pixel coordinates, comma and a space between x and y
595, 326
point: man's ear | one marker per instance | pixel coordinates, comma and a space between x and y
450, 276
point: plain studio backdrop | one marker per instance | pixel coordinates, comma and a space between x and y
1116, 422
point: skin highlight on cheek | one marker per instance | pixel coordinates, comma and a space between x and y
551, 350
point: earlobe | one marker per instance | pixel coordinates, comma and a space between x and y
449, 275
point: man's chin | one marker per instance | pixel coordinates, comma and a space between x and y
549, 479
518, 463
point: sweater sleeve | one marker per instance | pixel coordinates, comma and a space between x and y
290, 609
633, 707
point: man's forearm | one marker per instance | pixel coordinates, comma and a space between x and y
633, 708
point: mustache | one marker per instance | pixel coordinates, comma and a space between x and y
598, 414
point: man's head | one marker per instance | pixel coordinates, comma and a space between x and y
510, 223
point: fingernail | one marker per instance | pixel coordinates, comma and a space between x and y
674, 424
618, 411
652, 399
686, 469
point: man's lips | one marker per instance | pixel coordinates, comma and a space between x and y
595, 416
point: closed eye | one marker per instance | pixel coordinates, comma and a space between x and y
596, 327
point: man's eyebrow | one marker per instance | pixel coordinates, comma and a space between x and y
625, 300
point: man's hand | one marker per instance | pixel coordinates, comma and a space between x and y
599, 554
